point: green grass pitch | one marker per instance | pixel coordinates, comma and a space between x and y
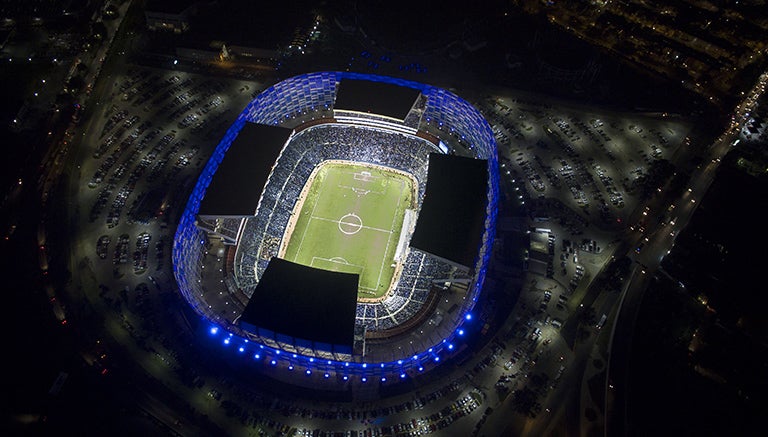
350, 221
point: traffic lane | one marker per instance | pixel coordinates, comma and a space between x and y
621, 347
564, 402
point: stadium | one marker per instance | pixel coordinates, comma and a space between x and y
342, 227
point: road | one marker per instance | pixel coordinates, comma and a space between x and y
657, 243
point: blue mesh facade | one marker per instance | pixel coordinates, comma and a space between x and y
310, 96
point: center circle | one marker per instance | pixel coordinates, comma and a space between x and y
350, 224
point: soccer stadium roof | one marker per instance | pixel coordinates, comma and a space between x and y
305, 303
379, 98
452, 217
242, 174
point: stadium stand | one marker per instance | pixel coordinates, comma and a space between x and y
308, 148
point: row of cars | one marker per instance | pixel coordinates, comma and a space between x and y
576, 279
589, 182
122, 250
141, 252
126, 136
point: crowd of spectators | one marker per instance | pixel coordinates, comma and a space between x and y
420, 271
307, 149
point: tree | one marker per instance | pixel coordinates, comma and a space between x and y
523, 400
75, 83
587, 316
99, 30
110, 12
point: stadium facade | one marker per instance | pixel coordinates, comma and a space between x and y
220, 257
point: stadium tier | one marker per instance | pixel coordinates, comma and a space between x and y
299, 131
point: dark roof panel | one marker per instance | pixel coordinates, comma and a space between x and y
452, 216
236, 187
304, 303
375, 98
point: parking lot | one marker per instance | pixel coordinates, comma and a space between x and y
592, 163
145, 149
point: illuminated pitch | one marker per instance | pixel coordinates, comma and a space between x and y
349, 218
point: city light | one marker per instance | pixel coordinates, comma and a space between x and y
420, 314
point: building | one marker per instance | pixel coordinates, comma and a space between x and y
169, 16
298, 123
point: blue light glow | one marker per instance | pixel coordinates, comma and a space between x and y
298, 96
